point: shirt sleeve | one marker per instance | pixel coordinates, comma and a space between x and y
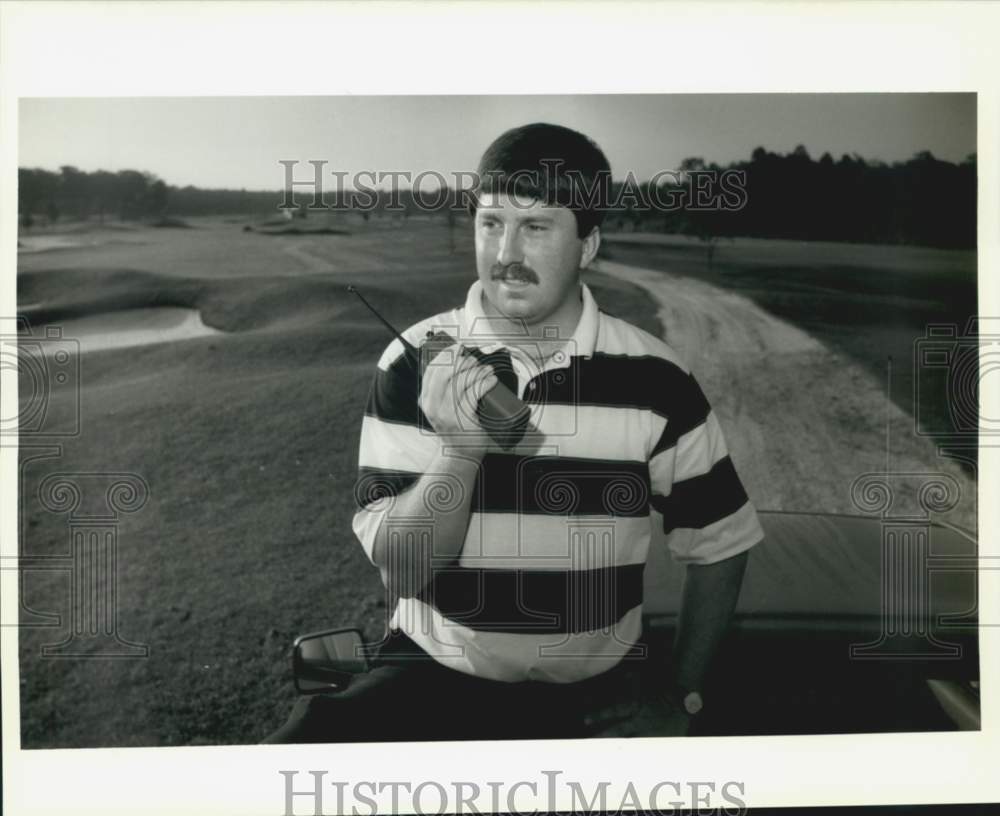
397, 443
707, 515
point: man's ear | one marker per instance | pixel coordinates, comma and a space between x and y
590, 246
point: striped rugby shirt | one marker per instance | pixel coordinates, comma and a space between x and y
548, 583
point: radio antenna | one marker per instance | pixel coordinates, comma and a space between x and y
406, 345
888, 409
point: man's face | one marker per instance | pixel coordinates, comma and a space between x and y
529, 257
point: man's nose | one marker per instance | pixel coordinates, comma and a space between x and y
509, 250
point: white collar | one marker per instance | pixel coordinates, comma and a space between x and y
478, 329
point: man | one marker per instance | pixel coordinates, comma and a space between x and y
517, 568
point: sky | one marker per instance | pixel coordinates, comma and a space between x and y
238, 142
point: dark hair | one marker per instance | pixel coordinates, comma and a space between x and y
550, 163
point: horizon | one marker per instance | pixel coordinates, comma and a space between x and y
237, 143
328, 192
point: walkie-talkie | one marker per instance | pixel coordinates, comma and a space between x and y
500, 412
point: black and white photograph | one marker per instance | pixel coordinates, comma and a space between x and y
402, 422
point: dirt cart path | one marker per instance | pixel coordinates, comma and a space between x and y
802, 422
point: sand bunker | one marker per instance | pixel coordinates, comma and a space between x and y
81, 239
135, 327
43, 243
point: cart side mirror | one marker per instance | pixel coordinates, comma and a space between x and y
327, 661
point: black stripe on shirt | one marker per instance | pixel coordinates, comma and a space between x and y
690, 411
621, 381
394, 394
562, 486
702, 500
536, 601
609, 380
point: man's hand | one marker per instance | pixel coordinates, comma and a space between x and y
449, 395
448, 398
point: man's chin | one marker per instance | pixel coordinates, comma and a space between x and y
511, 301
514, 307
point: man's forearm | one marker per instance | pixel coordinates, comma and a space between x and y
407, 561
710, 594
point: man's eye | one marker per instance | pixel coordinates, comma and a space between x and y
537, 228
490, 224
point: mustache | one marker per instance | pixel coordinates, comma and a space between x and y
517, 269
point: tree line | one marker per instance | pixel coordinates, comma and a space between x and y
923, 200
127, 194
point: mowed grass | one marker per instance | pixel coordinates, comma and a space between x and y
248, 439
248, 442
867, 302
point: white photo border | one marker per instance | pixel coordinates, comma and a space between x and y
226, 49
